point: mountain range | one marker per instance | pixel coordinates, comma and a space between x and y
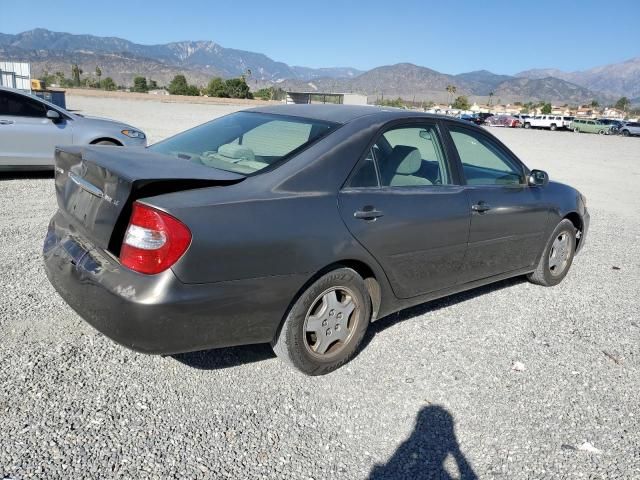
200, 60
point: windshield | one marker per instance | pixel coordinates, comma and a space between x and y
244, 142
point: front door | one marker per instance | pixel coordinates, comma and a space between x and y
402, 205
27, 136
508, 218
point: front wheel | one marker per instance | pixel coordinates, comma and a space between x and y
625, 133
553, 127
326, 323
576, 130
557, 256
602, 132
527, 125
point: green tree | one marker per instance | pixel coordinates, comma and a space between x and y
60, 78
546, 109
75, 74
595, 104
140, 85
216, 88
490, 97
98, 73
623, 104
461, 103
108, 84
178, 86
237, 88
153, 84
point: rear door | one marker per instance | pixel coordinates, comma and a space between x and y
404, 204
508, 218
27, 136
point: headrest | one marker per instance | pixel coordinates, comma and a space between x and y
408, 159
236, 152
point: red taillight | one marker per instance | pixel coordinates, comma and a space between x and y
153, 241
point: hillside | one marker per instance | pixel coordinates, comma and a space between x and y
615, 79
200, 60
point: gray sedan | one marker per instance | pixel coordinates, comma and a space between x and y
298, 225
30, 129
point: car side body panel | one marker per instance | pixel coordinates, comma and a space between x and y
255, 245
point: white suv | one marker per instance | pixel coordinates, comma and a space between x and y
552, 122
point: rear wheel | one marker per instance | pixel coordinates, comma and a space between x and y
106, 142
576, 130
625, 133
326, 324
557, 256
553, 127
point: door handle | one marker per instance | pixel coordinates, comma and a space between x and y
480, 207
6, 122
368, 213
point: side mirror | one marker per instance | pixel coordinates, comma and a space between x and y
538, 178
53, 115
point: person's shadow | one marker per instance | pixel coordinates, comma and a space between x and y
423, 455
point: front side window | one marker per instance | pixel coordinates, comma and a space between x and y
484, 162
12, 104
245, 142
411, 157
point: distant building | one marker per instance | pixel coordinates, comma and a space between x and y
613, 113
15, 75
326, 97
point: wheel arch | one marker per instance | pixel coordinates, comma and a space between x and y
106, 139
575, 218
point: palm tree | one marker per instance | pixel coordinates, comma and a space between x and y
490, 97
451, 90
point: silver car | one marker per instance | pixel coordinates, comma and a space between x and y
30, 129
630, 128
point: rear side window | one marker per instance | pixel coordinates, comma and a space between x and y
245, 142
411, 157
483, 161
12, 104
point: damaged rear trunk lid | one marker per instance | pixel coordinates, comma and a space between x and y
96, 185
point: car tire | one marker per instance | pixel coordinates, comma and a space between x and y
527, 125
325, 308
106, 142
553, 127
625, 133
576, 130
557, 257
602, 132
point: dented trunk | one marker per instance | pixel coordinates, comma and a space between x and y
96, 186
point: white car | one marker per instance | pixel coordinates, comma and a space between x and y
31, 128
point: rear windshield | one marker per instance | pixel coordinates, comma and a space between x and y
245, 142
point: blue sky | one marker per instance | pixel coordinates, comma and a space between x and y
450, 36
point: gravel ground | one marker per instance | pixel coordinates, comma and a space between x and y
511, 381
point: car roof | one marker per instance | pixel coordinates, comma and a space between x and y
35, 97
339, 113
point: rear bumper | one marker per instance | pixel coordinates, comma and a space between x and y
158, 313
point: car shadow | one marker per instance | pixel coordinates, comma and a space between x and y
424, 454
433, 306
221, 358
28, 175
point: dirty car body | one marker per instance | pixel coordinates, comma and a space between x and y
263, 229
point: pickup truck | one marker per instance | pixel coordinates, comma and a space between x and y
552, 122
